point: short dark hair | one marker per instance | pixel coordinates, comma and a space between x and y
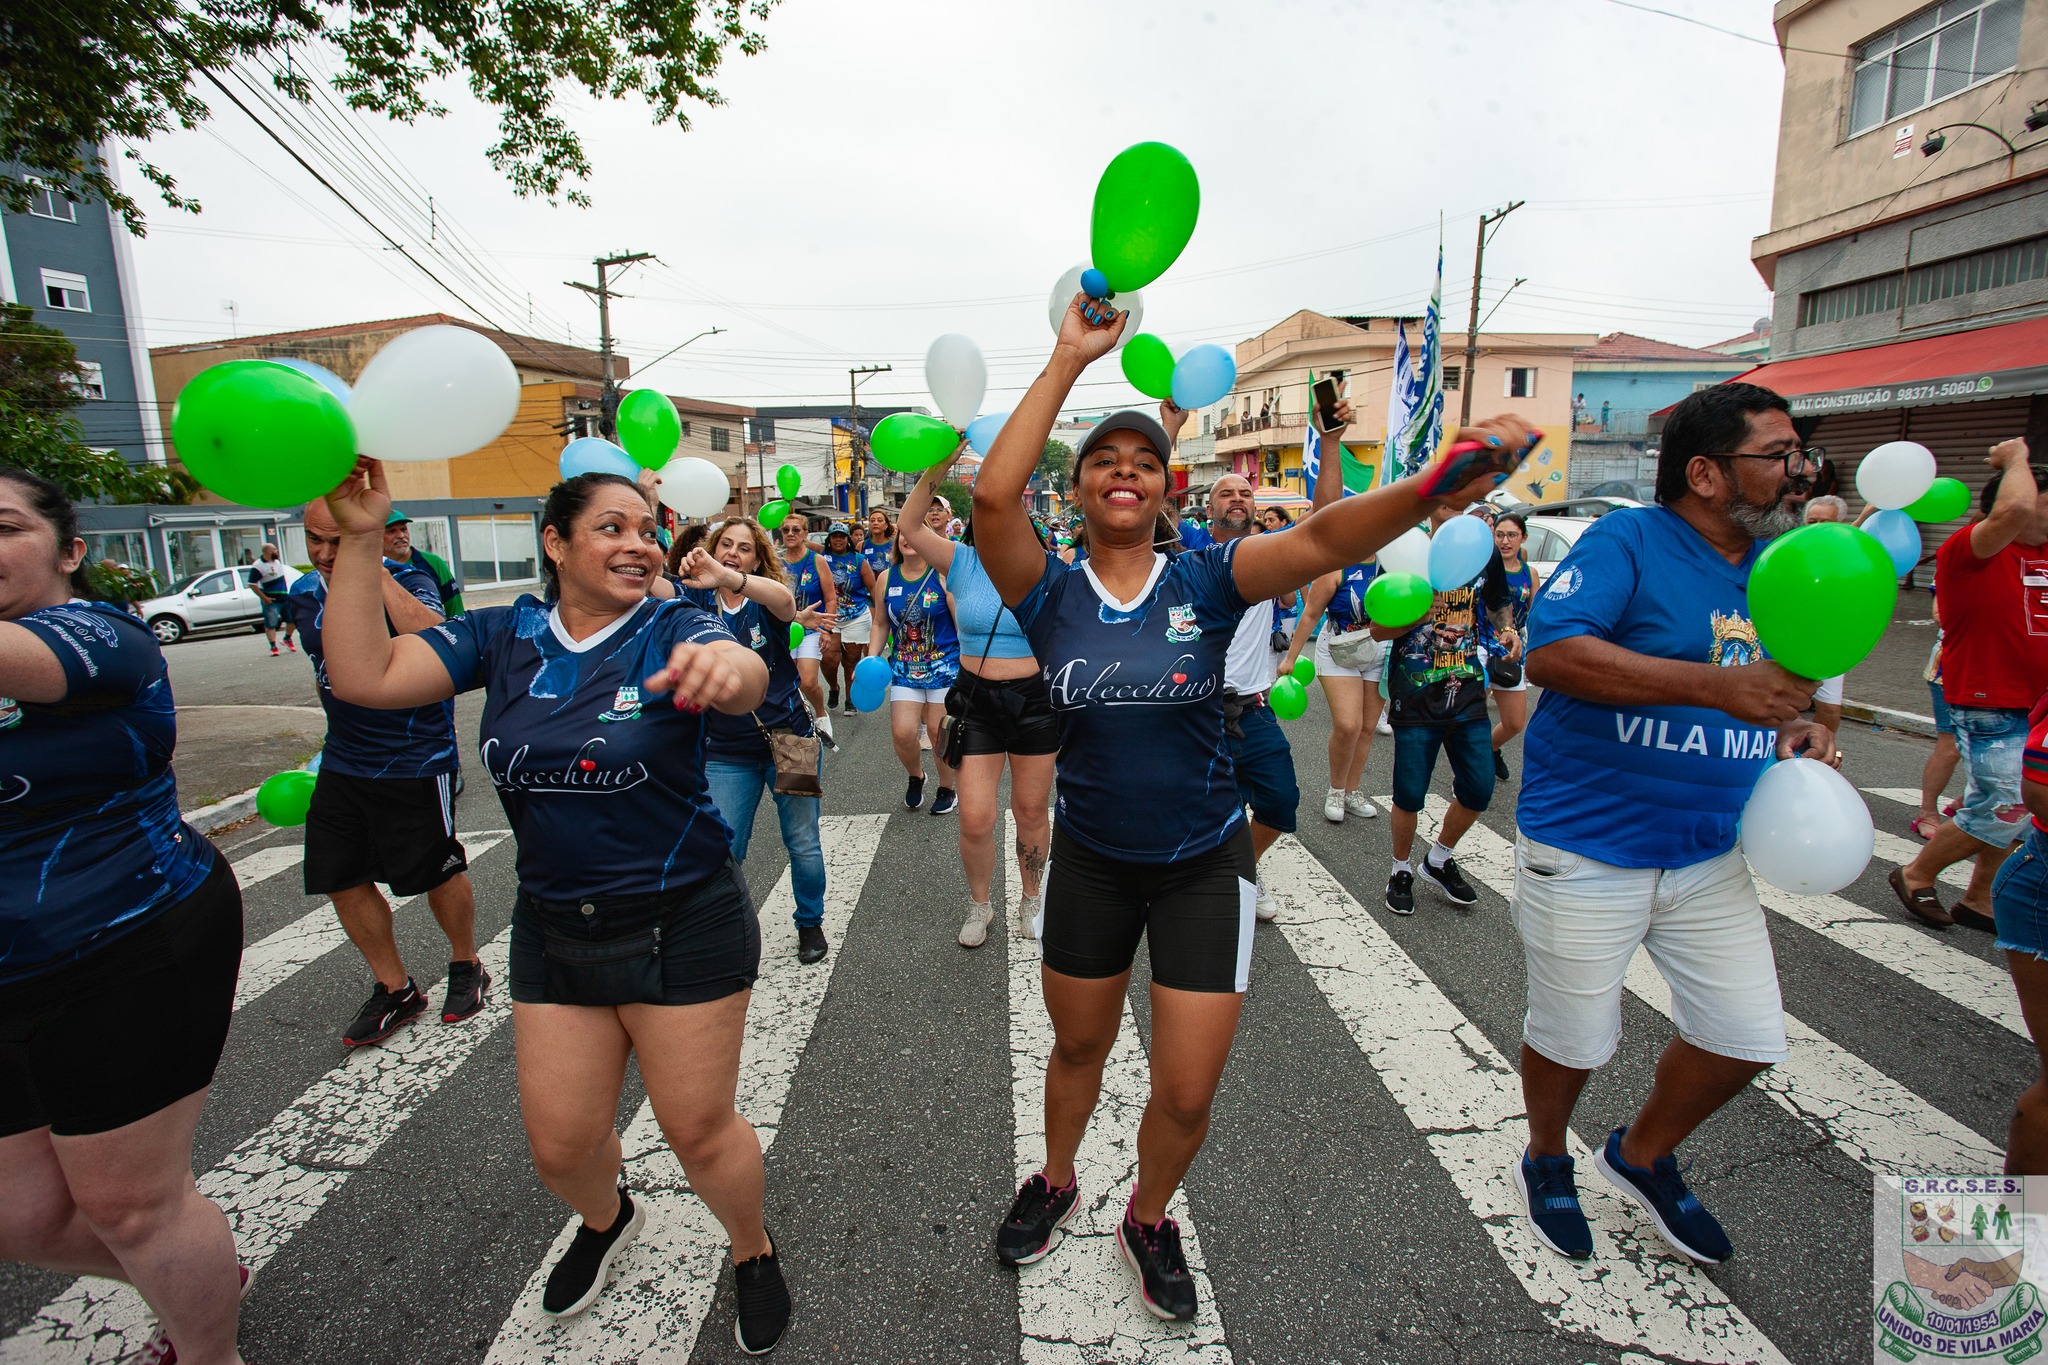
50, 502
1709, 422
566, 501
1990, 493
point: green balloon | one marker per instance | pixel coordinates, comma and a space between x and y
649, 428
1148, 364
1145, 209
1288, 698
1396, 600
774, 514
796, 635
1304, 671
1944, 500
910, 443
1821, 597
788, 482
285, 797
263, 435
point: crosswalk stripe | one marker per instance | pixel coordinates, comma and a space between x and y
1905, 796
277, 1179
663, 1285
1896, 849
1876, 1121
277, 957
266, 863
1081, 1304
1465, 1098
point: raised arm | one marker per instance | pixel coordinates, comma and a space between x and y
699, 570
29, 670
1330, 472
936, 549
364, 664
2013, 507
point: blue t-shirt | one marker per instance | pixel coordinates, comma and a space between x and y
737, 739
877, 554
604, 787
91, 842
924, 645
1643, 786
802, 573
363, 741
853, 594
1195, 536
1521, 594
1347, 604
1144, 769
987, 627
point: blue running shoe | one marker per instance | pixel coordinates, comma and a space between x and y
1550, 1196
1675, 1210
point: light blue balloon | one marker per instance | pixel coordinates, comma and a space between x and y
333, 382
313, 763
1203, 376
870, 686
981, 433
1458, 552
1900, 536
595, 455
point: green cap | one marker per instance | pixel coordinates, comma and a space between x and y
396, 517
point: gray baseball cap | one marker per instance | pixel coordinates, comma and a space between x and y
1130, 419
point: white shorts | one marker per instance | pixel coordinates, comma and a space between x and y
1521, 686
811, 647
928, 696
1829, 692
1327, 667
1581, 921
854, 630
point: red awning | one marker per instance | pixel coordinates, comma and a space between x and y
2004, 361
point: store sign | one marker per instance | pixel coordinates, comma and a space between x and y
1920, 393
1902, 141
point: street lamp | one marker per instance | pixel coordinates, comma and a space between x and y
677, 347
1935, 141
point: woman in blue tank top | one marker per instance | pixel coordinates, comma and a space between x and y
914, 630
1509, 592
817, 609
846, 641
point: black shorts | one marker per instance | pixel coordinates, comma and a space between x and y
1195, 914
395, 830
130, 1028
1009, 716
673, 948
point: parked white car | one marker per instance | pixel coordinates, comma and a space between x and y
1550, 540
215, 600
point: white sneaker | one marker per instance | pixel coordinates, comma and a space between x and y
1383, 728
824, 724
974, 930
1029, 908
1265, 907
1360, 805
1333, 806
924, 738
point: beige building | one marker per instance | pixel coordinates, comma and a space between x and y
1259, 428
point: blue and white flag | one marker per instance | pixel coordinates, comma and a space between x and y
1404, 396
1415, 402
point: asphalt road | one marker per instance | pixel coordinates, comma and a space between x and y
1350, 1203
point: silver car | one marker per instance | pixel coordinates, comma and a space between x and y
214, 600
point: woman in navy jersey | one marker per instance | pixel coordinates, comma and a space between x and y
853, 581
740, 577
914, 629
1509, 592
879, 544
633, 932
817, 607
1150, 838
120, 939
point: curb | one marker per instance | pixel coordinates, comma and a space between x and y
220, 814
1909, 721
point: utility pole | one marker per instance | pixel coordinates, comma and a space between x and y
1486, 220
857, 496
608, 406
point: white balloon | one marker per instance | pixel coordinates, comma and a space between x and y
433, 393
1805, 829
957, 376
1130, 300
1895, 474
1406, 553
693, 488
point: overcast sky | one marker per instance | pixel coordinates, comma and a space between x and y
890, 170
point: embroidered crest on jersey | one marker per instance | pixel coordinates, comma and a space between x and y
625, 705
1735, 641
10, 713
1180, 625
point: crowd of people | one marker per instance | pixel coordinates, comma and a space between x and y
667, 688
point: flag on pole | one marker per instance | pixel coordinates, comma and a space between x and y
1423, 429
1404, 395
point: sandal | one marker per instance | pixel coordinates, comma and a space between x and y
1922, 905
1924, 826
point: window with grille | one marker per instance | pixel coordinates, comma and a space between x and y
1453, 375
1520, 382
721, 439
1939, 52
1992, 268
686, 431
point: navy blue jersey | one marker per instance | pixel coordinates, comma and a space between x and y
1144, 769
853, 594
925, 647
604, 789
1347, 604
91, 843
804, 580
737, 739
363, 741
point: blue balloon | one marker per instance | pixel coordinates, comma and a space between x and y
595, 455
1202, 376
333, 382
870, 686
1094, 283
313, 763
1458, 552
1900, 536
981, 432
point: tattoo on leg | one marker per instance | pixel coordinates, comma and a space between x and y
1030, 858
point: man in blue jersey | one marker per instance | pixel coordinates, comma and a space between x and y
1659, 711
384, 807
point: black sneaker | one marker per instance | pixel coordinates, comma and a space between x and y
1154, 1254
831, 696
1401, 893
1500, 766
1036, 1215
943, 803
810, 943
1451, 880
384, 1013
913, 793
468, 988
763, 1300
580, 1276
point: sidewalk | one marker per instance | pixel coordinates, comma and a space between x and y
1888, 687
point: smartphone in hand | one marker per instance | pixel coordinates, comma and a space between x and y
1325, 392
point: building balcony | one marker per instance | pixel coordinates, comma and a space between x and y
1261, 433
1630, 424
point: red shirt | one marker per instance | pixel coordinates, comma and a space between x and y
1994, 618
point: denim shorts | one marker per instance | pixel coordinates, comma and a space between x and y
1991, 741
1469, 746
2019, 898
1265, 768
1944, 724
706, 943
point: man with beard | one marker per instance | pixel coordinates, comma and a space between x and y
1658, 713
